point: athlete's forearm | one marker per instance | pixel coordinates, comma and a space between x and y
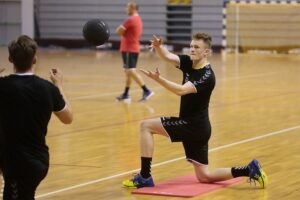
60, 88
166, 55
162, 52
65, 116
171, 86
56, 77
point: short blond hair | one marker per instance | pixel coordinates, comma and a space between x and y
206, 38
134, 5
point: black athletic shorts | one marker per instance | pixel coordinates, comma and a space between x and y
194, 136
22, 177
129, 60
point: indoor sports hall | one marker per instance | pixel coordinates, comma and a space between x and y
254, 109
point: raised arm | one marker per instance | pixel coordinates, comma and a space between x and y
65, 115
163, 52
176, 88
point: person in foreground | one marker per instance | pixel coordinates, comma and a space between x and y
27, 102
192, 127
130, 32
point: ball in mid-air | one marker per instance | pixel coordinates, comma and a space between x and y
96, 32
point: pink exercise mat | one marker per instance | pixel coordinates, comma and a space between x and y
185, 186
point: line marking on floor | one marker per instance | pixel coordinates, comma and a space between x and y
166, 162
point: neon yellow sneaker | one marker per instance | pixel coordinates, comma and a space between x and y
257, 173
138, 182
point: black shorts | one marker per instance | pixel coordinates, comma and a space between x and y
193, 135
22, 178
129, 60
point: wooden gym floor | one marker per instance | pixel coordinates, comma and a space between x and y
254, 111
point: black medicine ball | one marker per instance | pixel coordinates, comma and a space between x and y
96, 32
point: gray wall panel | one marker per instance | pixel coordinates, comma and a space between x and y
65, 19
207, 17
208, 3
10, 20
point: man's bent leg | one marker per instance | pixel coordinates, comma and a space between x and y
205, 176
147, 129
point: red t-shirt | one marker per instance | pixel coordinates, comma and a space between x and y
130, 41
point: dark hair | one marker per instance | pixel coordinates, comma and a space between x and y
22, 52
204, 37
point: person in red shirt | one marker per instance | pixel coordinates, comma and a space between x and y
130, 32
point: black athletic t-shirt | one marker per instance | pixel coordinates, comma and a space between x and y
27, 102
194, 106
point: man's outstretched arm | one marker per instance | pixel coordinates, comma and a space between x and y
176, 88
163, 52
